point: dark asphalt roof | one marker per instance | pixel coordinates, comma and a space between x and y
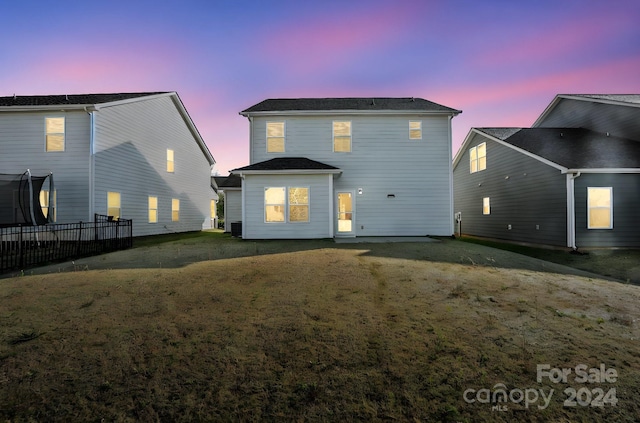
288, 163
573, 148
231, 181
75, 99
354, 103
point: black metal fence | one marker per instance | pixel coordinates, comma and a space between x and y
22, 247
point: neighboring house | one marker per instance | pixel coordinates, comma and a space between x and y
137, 156
573, 180
231, 189
345, 167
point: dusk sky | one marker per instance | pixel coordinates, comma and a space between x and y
501, 62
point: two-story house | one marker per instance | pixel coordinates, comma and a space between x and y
346, 167
133, 155
572, 180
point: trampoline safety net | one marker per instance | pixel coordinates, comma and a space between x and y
20, 199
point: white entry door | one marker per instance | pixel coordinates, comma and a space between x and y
346, 213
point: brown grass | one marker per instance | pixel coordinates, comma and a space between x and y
320, 335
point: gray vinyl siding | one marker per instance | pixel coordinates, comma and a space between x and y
131, 158
22, 147
254, 225
523, 192
622, 121
383, 161
232, 208
626, 204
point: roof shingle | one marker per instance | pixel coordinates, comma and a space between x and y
352, 103
287, 163
69, 99
573, 148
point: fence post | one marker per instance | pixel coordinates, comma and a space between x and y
79, 240
20, 249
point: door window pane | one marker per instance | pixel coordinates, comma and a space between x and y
345, 212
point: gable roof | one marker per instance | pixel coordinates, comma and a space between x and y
572, 148
288, 165
70, 99
92, 102
627, 100
352, 104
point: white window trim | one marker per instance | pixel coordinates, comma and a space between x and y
175, 210
284, 136
119, 206
488, 206
149, 208
287, 204
477, 159
64, 134
610, 208
420, 129
333, 136
288, 217
265, 204
172, 161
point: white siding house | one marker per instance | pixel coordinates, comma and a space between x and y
136, 155
323, 168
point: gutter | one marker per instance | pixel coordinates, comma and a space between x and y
349, 112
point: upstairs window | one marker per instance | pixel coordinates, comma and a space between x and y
54, 133
275, 137
415, 130
175, 210
170, 161
274, 204
478, 158
153, 209
341, 137
298, 204
113, 204
600, 208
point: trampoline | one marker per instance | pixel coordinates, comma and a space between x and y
20, 199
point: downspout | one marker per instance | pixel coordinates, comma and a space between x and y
92, 163
250, 140
571, 210
450, 214
244, 208
332, 211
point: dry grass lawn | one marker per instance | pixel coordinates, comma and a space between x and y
328, 334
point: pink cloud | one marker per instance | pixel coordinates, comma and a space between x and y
519, 103
609, 77
142, 65
561, 38
323, 41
